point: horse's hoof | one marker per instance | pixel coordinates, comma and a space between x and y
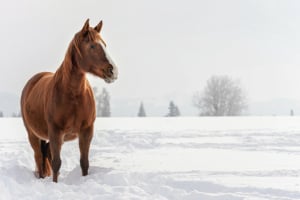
38, 175
55, 179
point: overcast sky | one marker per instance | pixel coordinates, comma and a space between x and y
164, 49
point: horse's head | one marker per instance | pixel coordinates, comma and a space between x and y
90, 54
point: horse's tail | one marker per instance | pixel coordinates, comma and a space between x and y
45, 148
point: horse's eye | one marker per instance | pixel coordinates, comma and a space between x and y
93, 46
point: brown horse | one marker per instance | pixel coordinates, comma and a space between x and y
60, 106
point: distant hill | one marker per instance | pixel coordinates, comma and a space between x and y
281, 107
128, 107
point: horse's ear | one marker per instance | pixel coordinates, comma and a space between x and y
85, 27
99, 27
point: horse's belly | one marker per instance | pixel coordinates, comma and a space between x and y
35, 119
70, 136
38, 128
33, 105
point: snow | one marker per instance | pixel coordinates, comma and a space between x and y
225, 158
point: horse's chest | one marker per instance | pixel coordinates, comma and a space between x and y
72, 108
71, 114
71, 129
71, 121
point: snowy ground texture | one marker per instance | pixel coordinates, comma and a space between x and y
251, 158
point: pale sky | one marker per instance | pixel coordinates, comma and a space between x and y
165, 50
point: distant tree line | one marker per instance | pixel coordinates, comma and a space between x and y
221, 96
14, 114
173, 110
103, 105
17, 114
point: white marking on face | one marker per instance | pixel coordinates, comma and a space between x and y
110, 60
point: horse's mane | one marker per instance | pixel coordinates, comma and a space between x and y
69, 61
64, 70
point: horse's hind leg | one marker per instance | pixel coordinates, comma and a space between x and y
45, 148
85, 138
42, 165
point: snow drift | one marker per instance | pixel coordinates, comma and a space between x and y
164, 158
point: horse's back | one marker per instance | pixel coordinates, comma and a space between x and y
31, 82
32, 103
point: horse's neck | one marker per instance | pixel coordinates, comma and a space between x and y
70, 79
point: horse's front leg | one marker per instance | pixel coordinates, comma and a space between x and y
56, 141
85, 138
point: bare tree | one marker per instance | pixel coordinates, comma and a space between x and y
222, 96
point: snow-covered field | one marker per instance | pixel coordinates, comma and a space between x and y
164, 158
